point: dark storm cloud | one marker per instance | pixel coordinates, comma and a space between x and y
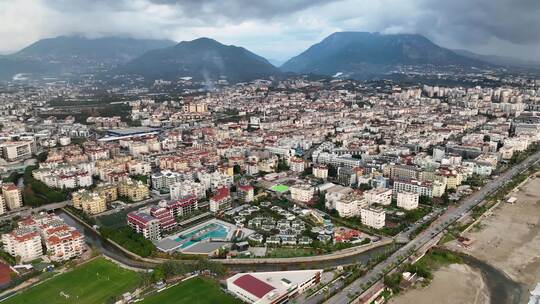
243, 9
515, 21
280, 27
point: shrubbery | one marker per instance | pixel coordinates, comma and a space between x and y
36, 193
130, 240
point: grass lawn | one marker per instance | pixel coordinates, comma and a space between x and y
198, 290
94, 282
114, 220
290, 252
280, 188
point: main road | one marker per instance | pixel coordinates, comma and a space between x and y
445, 220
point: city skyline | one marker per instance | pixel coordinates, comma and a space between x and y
280, 29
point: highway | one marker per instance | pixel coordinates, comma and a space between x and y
445, 220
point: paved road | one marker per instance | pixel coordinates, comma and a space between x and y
450, 216
25, 210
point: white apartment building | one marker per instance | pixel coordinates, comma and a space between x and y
287, 152
64, 177
373, 217
12, 196
213, 181
420, 187
302, 193
408, 200
438, 188
63, 242
165, 178
320, 171
136, 167
381, 196
350, 206
16, 150
185, 188
297, 164
2, 205
23, 242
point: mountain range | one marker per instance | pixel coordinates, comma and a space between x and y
360, 55
203, 59
75, 54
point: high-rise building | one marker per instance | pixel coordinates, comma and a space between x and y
12, 196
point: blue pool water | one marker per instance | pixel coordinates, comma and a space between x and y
212, 230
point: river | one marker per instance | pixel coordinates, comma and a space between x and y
502, 289
96, 241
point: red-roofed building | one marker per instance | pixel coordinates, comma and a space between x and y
23, 242
253, 285
144, 224
183, 206
220, 199
272, 287
164, 216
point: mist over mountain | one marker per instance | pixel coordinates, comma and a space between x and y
357, 53
203, 59
501, 60
75, 54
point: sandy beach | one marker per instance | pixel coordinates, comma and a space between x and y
509, 239
453, 284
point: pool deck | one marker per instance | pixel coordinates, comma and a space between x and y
207, 245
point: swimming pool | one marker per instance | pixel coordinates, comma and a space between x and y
210, 231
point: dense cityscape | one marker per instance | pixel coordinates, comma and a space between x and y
371, 168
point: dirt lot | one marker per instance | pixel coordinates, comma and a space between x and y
454, 284
509, 239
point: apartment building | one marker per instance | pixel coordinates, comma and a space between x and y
297, 164
23, 242
16, 150
134, 190
350, 205
302, 193
320, 171
138, 167
245, 193
380, 196
373, 217
12, 196
2, 204
183, 206
220, 199
62, 242
164, 179
408, 200
422, 188
144, 224
90, 202
185, 188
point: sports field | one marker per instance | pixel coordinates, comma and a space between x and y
94, 282
280, 188
198, 290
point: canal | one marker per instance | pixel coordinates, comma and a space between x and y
98, 243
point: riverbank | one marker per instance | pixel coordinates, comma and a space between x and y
452, 284
509, 238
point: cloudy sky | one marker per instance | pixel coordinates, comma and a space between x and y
279, 29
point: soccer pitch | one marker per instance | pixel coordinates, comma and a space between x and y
198, 290
280, 188
94, 282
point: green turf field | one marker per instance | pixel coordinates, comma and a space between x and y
94, 282
280, 188
198, 290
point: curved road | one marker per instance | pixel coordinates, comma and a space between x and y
445, 220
